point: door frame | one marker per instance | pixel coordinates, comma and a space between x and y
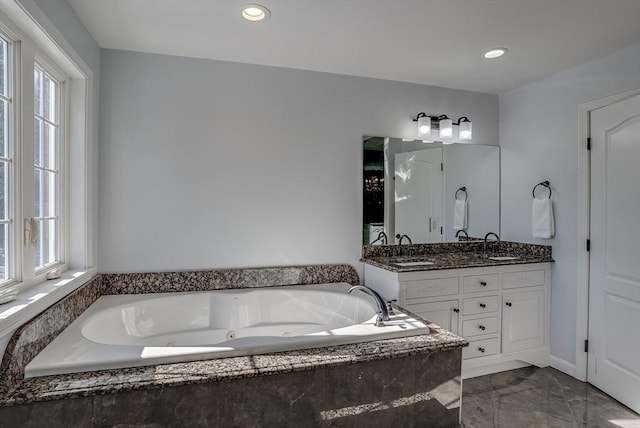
584, 223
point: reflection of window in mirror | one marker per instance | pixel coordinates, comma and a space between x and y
373, 189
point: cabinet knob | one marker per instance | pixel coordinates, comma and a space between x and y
508, 304
482, 305
483, 283
456, 310
481, 349
481, 327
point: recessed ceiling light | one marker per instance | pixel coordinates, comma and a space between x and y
494, 53
255, 12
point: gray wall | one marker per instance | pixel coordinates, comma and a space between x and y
209, 164
539, 139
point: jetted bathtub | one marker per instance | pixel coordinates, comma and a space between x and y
148, 329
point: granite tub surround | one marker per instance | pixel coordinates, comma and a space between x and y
34, 336
396, 382
453, 255
301, 385
415, 390
75, 385
163, 282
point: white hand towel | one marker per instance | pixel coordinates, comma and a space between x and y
542, 225
460, 215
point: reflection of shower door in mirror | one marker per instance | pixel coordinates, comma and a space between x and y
418, 195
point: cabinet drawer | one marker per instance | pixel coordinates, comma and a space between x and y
481, 348
480, 283
479, 305
432, 287
480, 327
523, 279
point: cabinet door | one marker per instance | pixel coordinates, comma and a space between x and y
522, 320
445, 313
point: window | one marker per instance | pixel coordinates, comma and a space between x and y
47, 154
47, 164
33, 236
5, 160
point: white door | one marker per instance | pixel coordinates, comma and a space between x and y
418, 195
614, 284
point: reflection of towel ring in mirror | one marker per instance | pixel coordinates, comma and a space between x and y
544, 184
463, 190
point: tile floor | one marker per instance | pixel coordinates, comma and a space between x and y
535, 397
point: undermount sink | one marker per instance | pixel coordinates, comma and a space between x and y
412, 264
503, 258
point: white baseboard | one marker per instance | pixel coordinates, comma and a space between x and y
563, 365
470, 372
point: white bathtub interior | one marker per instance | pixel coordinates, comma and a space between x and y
148, 329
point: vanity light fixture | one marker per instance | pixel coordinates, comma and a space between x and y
494, 53
427, 123
255, 12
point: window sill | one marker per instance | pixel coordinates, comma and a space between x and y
35, 299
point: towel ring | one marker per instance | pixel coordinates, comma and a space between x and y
544, 184
464, 190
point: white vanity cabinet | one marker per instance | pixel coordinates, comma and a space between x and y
503, 311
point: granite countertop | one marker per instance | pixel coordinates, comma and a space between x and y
149, 377
521, 253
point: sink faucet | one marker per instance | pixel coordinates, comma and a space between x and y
383, 312
382, 237
484, 247
466, 235
400, 238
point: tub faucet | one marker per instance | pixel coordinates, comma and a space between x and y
383, 312
484, 247
461, 231
400, 238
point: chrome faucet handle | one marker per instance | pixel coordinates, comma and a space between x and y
389, 307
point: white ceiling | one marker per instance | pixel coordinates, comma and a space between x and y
434, 42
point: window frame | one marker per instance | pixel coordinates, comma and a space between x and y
23, 55
13, 80
31, 31
61, 79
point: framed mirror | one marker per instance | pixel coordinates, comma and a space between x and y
429, 191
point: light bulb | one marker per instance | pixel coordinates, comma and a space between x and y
446, 128
494, 53
255, 12
424, 126
465, 132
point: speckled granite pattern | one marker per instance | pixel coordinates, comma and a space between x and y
454, 255
31, 338
417, 250
405, 381
163, 282
149, 377
34, 336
